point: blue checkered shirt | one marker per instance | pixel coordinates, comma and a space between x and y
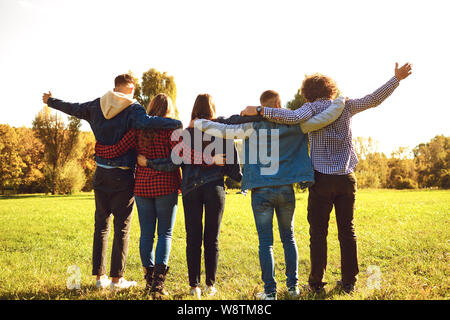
332, 150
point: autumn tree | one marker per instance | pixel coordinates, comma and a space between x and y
86, 159
432, 161
11, 163
31, 150
62, 175
154, 82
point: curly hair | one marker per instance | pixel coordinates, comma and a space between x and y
318, 86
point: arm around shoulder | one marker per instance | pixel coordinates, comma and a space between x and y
141, 120
326, 117
225, 131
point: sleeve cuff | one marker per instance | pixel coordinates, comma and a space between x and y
267, 112
394, 81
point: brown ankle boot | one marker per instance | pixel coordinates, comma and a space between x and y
159, 278
148, 277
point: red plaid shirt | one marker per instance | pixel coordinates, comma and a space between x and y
150, 183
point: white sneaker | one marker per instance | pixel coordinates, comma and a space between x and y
196, 292
103, 283
266, 296
294, 292
122, 284
211, 290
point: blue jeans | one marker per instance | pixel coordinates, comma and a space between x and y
264, 201
161, 210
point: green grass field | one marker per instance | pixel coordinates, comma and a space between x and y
404, 233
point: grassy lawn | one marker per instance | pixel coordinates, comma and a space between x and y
406, 234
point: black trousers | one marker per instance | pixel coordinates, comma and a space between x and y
340, 191
114, 196
211, 196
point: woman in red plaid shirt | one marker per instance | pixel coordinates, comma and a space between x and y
156, 192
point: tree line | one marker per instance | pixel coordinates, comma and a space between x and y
55, 157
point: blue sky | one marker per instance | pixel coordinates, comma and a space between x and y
233, 50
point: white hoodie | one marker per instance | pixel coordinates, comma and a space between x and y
112, 103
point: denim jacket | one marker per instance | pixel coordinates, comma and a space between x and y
285, 147
274, 154
196, 175
110, 131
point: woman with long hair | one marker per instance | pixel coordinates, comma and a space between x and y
204, 194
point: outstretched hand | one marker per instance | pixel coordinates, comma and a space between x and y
219, 159
45, 97
142, 160
249, 111
402, 72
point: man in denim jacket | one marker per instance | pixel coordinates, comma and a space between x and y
110, 117
275, 157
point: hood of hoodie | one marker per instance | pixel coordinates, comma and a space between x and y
112, 103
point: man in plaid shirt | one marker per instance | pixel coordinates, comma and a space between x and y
334, 159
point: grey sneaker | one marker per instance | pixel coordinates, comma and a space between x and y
196, 292
122, 284
103, 283
266, 296
294, 292
211, 290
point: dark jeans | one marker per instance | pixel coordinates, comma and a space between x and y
329, 190
211, 196
113, 190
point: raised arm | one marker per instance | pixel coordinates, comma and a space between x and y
324, 118
378, 96
79, 110
225, 131
374, 99
129, 141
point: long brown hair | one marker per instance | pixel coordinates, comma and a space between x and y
160, 106
204, 107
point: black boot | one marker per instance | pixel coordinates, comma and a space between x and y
159, 278
148, 277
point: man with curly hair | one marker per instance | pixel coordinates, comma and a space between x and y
334, 160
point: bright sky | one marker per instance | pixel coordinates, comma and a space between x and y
233, 50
